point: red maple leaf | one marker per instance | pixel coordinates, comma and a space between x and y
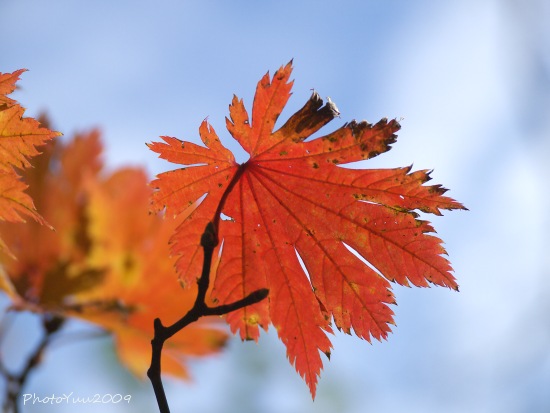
292, 201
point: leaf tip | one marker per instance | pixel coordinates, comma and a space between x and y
333, 108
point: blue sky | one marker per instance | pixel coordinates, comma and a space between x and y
470, 81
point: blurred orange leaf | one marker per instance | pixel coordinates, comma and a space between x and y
133, 246
108, 260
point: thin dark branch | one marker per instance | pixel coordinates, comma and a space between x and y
209, 241
252, 298
199, 309
15, 382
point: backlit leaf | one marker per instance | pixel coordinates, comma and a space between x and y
19, 139
293, 202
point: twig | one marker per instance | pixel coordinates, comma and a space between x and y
209, 240
15, 382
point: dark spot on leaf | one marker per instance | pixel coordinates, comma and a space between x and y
315, 165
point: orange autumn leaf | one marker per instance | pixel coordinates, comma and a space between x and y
14, 202
133, 246
7, 86
19, 139
96, 265
55, 267
293, 202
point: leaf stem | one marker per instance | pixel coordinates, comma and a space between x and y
226, 193
209, 241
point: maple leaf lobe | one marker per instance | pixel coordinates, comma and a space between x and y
7, 86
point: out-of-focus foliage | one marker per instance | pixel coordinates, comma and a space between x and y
105, 260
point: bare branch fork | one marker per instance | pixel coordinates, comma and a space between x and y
209, 241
